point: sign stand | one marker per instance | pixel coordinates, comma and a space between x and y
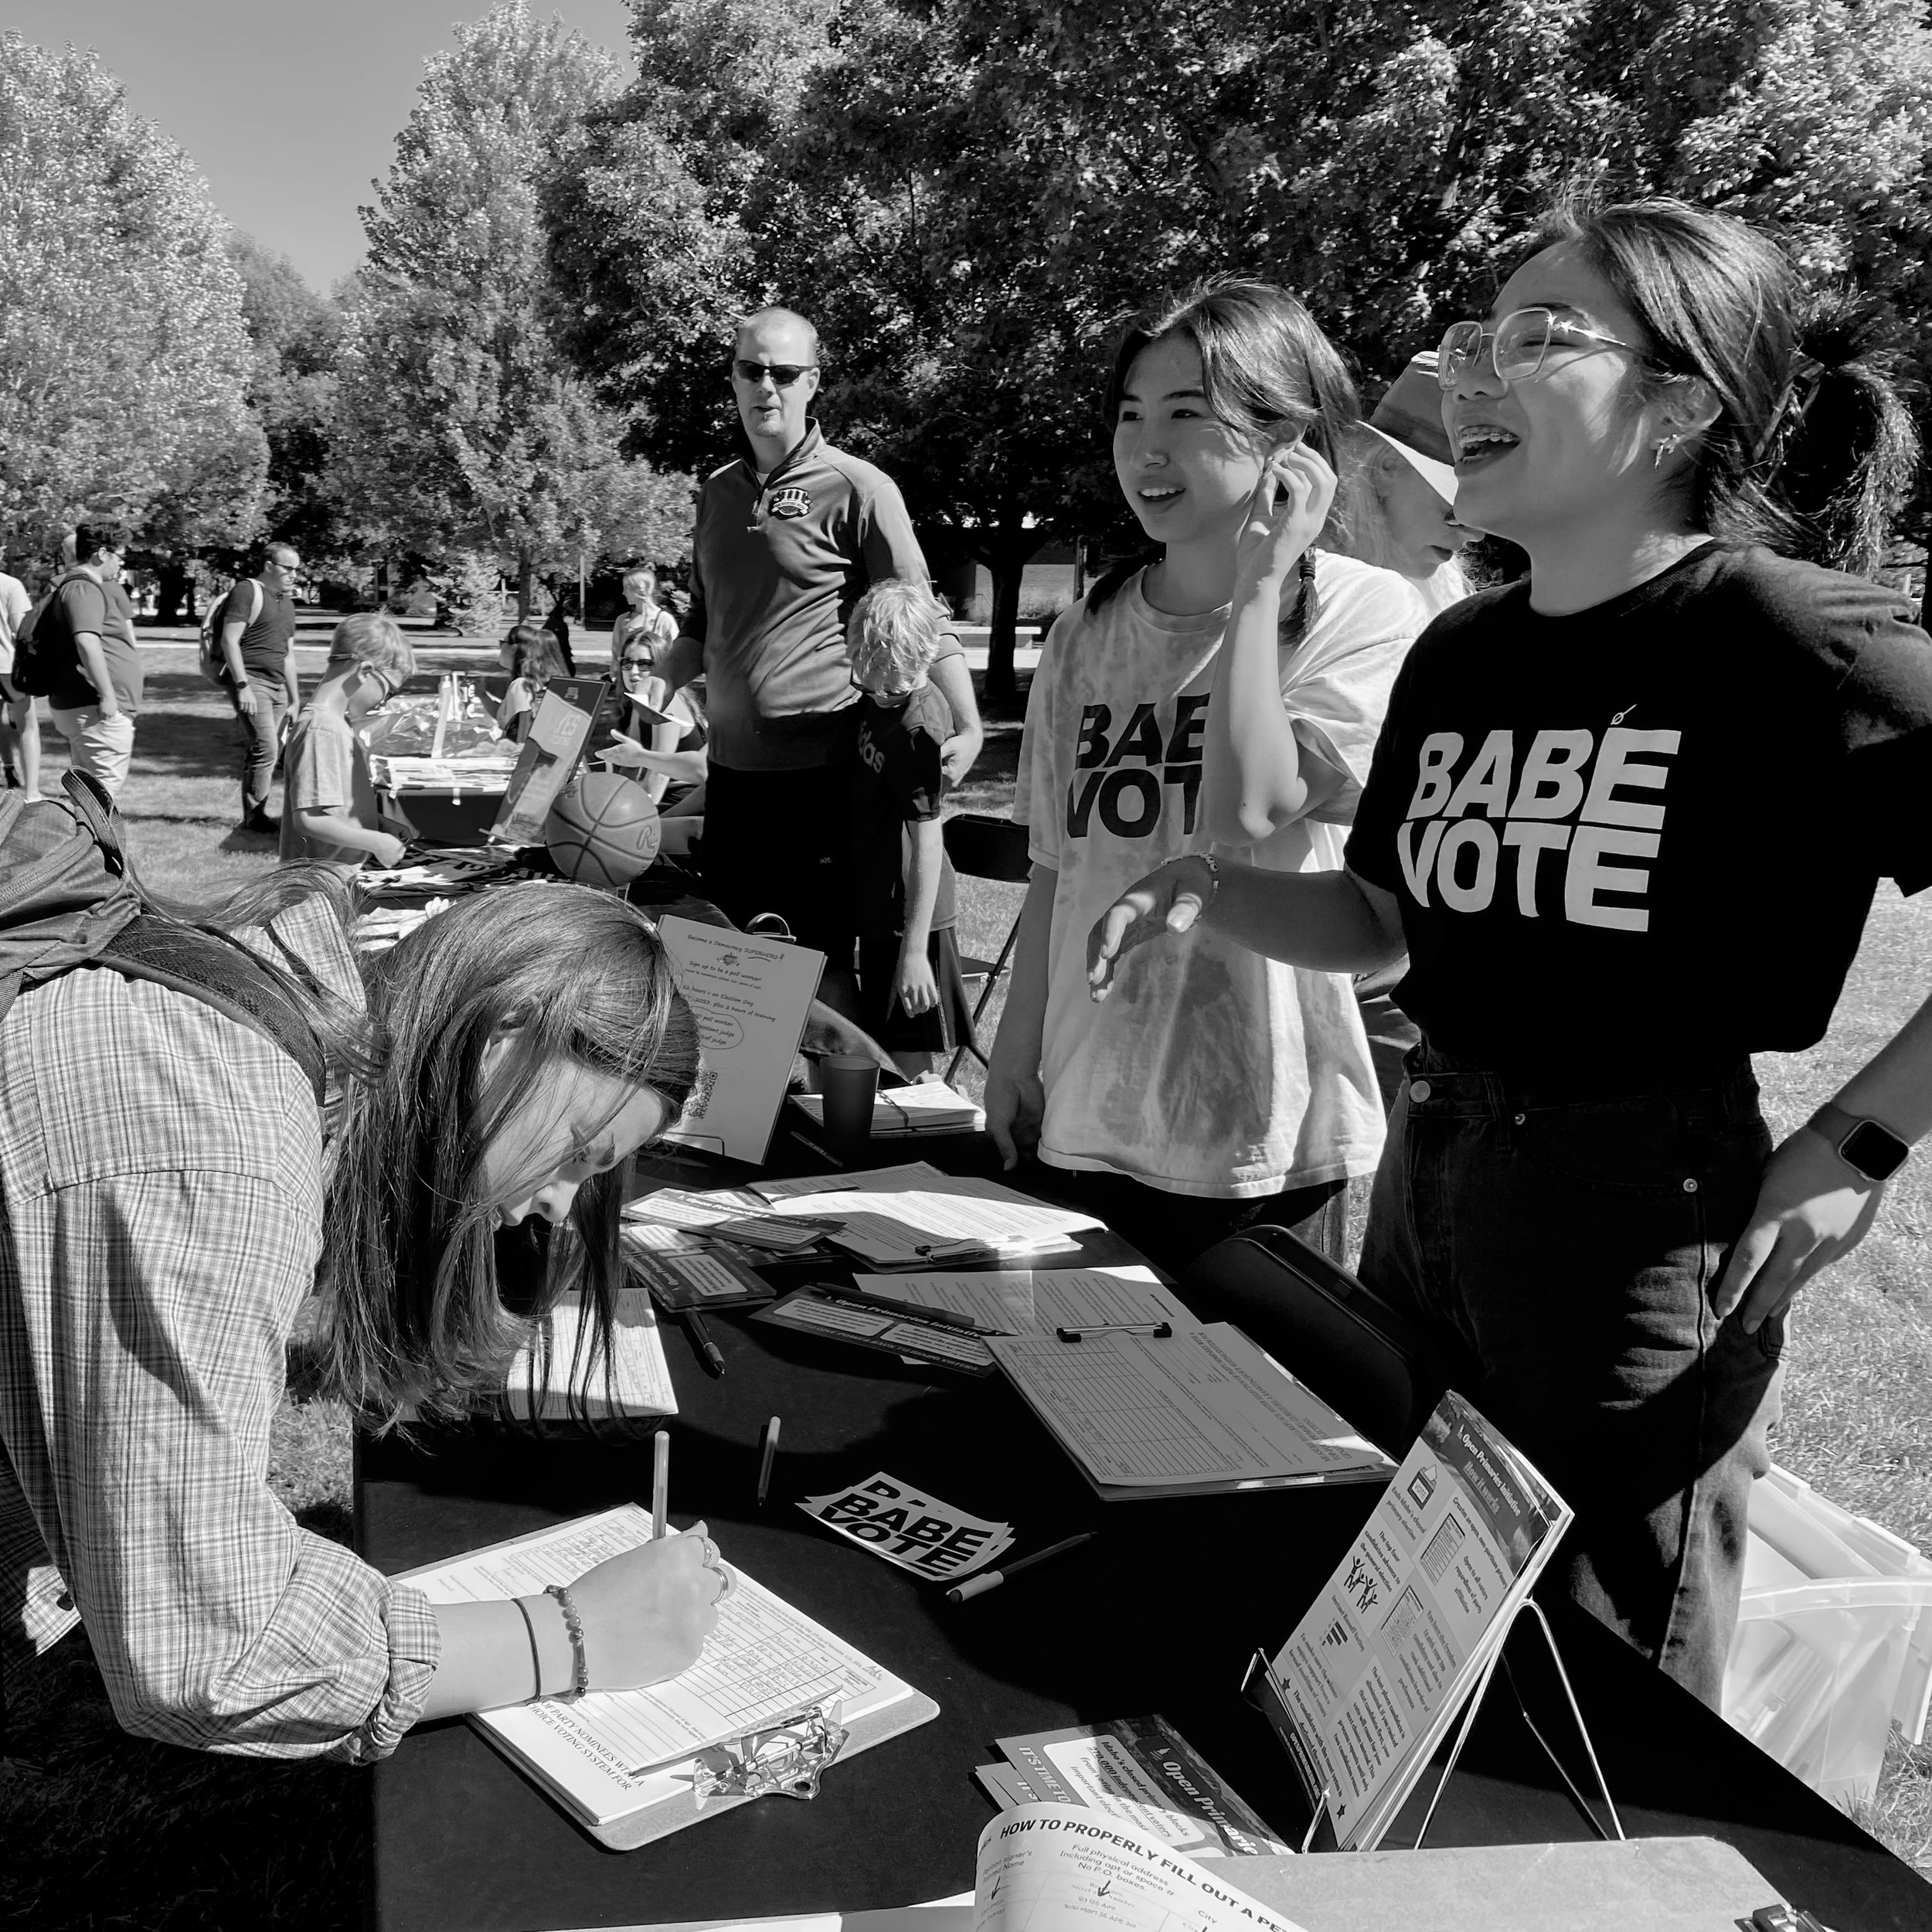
1262, 1688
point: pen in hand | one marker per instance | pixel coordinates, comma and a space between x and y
659, 1484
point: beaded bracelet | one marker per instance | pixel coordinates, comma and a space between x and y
574, 1624
1214, 875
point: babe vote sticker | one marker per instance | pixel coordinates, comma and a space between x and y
907, 1527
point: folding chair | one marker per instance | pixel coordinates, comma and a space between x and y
983, 847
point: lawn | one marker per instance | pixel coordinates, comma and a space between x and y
103, 1831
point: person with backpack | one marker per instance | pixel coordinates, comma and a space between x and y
19, 718
84, 658
168, 1209
255, 623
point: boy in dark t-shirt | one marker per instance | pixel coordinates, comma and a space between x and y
912, 1000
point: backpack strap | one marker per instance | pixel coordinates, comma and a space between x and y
221, 973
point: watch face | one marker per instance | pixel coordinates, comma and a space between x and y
1873, 1151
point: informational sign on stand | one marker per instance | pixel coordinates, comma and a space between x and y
560, 730
751, 996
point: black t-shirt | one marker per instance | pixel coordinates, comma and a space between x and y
1645, 837
896, 781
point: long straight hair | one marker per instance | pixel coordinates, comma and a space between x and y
1813, 452
1264, 361
428, 1301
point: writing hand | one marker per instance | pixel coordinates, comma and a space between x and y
647, 1612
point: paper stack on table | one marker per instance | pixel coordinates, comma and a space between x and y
900, 1113
1138, 1769
634, 1379
1041, 1301
916, 1217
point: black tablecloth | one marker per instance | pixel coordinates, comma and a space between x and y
1160, 1614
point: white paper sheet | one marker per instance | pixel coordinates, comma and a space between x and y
751, 996
911, 1215
1203, 1406
1059, 1868
640, 1379
1037, 1300
607, 1753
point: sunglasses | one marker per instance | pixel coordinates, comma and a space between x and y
1517, 345
782, 374
636, 667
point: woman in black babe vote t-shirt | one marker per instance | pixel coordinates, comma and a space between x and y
1627, 817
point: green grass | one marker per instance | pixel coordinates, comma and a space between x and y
102, 1831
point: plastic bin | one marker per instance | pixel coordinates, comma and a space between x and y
1834, 1641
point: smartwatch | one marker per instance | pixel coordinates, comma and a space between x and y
1864, 1146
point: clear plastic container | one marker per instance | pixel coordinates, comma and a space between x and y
1834, 1641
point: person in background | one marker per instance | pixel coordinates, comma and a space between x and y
670, 735
1222, 695
1405, 521
255, 627
1566, 826
171, 1211
788, 537
19, 718
534, 660
912, 1000
98, 685
644, 620
559, 626
330, 812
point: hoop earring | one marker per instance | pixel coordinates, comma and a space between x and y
1664, 446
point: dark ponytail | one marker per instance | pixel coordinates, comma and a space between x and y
1812, 452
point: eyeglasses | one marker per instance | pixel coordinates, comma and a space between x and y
782, 374
1517, 345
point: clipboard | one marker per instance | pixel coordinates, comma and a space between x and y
658, 1818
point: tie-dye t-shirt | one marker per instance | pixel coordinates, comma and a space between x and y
1208, 1069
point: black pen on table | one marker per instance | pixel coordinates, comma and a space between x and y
709, 1352
769, 1449
992, 1579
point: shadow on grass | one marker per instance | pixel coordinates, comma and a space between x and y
102, 1830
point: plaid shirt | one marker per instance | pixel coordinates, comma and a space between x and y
162, 1180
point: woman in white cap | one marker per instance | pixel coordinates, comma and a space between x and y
1402, 515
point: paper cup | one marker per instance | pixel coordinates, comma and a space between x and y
848, 1082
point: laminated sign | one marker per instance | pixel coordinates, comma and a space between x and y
894, 1520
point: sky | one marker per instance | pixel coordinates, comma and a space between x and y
291, 108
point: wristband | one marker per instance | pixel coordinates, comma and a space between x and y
1214, 873
574, 1624
536, 1656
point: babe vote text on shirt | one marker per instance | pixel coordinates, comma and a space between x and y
1124, 779
1558, 823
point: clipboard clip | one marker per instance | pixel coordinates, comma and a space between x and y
785, 1759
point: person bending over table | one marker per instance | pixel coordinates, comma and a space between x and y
169, 1208
1569, 821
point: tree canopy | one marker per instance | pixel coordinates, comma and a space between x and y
124, 361
460, 427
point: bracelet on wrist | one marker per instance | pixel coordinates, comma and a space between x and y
581, 1664
536, 1655
1214, 880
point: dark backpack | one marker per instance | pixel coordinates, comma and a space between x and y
39, 663
68, 898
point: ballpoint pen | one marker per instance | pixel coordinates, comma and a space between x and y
770, 1449
992, 1579
709, 1352
659, 1484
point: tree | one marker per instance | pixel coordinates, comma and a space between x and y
461, 427
123, 361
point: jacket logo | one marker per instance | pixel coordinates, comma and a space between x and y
790, 501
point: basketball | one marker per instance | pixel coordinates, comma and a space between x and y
603, 831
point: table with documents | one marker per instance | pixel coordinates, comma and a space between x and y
1161, 1612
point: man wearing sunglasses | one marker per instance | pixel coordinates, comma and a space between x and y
790, 535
